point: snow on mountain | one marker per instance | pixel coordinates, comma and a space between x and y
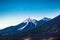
23, 26
31, 20
27, 22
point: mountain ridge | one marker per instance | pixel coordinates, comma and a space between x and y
27, 24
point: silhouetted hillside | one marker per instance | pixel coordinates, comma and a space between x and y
50, 30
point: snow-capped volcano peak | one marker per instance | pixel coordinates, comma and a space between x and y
27, 21
31, 20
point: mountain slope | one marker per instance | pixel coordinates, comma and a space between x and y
49, 29
26, 25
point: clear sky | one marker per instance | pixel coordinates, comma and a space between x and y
15, 11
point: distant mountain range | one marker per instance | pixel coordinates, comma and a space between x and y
35, 29
26, 25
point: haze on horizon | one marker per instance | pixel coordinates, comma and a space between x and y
13, 12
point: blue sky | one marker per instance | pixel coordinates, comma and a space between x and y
15, 11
